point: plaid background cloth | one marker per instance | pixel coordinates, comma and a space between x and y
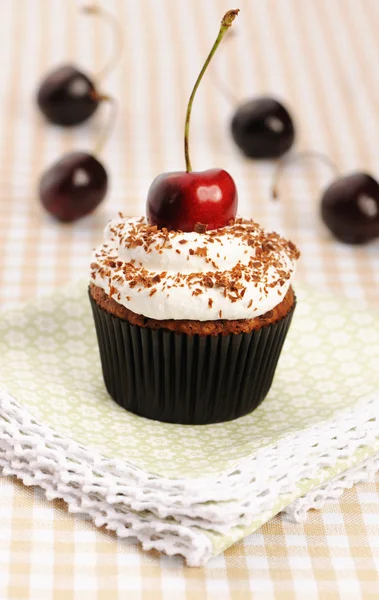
46, 553
321, 57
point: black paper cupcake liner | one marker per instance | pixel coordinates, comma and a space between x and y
187, 379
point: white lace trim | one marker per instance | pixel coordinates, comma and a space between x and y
332, 490
109, 491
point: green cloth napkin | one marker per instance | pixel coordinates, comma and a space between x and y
49, 363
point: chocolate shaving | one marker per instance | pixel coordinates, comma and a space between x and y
200, 227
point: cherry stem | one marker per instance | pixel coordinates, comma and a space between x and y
110, 122
220, 84
225, 24
117, 38
225, 90
295, 158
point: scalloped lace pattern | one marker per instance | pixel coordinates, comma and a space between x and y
173, 515
332, 490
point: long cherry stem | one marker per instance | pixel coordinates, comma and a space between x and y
110, 121
117, 38
306, 154
225, 90
220, 84
225, 24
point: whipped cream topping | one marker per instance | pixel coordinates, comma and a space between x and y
236, 272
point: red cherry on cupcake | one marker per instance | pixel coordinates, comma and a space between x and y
179, 200
182, 199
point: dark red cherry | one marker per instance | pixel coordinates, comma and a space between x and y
350, 208
184, 199
180, 200
73, 186
67, 96
263, 128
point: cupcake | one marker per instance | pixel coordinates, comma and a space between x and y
191, 305
190, 325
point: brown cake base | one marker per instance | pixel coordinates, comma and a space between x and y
179, 373
189, 327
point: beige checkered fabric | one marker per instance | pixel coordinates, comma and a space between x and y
46, 553
321, 57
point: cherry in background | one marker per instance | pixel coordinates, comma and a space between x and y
350, 208
73, 186
67, 96
184, 199
349, 205
76, 183
263, 128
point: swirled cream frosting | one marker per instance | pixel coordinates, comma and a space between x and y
235, 272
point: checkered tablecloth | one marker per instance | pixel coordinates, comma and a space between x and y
321, 57
47, 553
